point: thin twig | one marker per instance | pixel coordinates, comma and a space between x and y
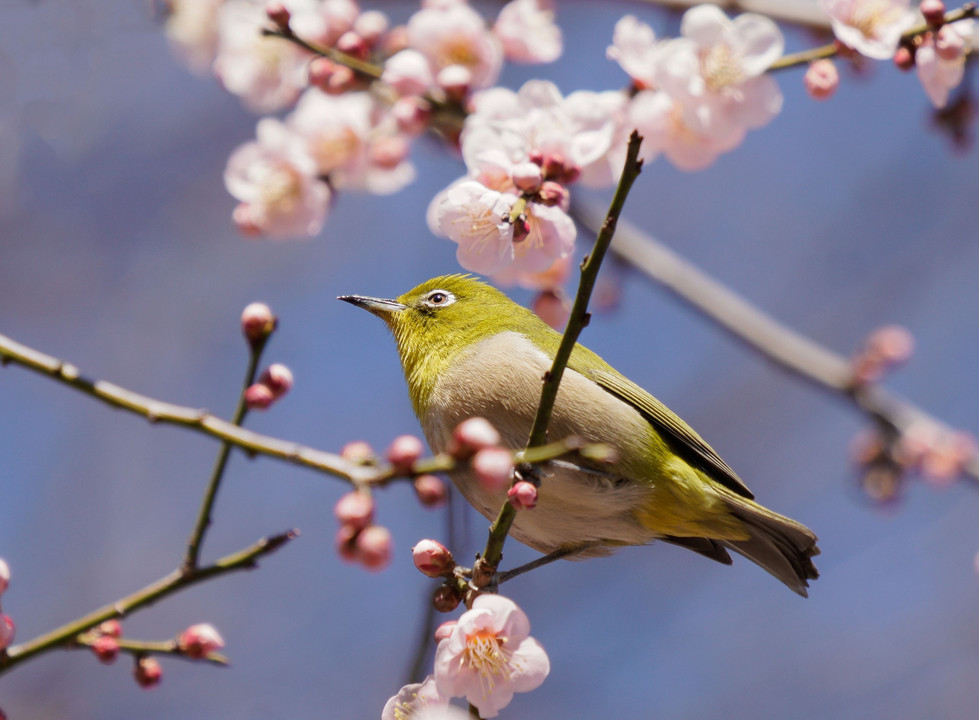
140, 648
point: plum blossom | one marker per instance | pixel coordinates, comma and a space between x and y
871, 27
353, 140
267, 73
940, 60
192, 30
421, 701
453, 34
634, 48
477, 218
275, 179
489, 655
716, 70
528, 33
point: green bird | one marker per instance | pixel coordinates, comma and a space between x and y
467, 350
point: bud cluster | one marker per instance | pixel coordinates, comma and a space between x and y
6, 623
358, 539
883, 350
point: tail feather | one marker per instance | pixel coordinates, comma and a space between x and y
778, 544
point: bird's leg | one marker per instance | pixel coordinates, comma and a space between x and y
502, 577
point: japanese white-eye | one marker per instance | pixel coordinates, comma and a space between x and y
468, 350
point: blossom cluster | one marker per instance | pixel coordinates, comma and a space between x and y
6, 623
486, 656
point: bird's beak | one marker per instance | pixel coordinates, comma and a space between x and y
376, 306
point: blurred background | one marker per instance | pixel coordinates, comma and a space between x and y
117, 253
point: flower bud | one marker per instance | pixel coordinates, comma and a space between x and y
6, 631
933, 12
147, 672
949, 45
4, 576
455, 80
389, 152
445, 599
412, 114
353, 44
527, 177
244, 220
257, 322
199, 640
278, 378
821, 79
552, 308
523, 495
493, 466
374, 547
110, 628
432, 558
554, 193
404, 451
278, 14
431, 490
371, 26
444, 630
904, 58
355, 509
106, 649
259, 396
395, 40
358, 452
346, 542
471, 435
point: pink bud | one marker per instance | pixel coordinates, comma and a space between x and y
432, 558
244, 220
493, 466
523, 495
396, 40
374, 547
257, 322
355, 509
946, 458
412, 114
346, 542
571, 173
552, 308
904, 58
278, 378
445, 599
521, 229
147, 672
821, 79
353, 44
553, 193
455, 80
933, 11
358, 452
106, 649
389, 152
536, 157
200, 640
279, 14
553, 166
259, 396
330, 77
4, 576
431, 491
404, 451
949, 45
371, 25
473, 434
110, 628
6, 631
444, 630
893, 343
527, 177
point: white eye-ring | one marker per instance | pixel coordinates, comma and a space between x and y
439, 298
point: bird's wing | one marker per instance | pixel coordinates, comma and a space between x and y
686, 443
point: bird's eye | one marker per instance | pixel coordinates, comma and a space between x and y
439, 298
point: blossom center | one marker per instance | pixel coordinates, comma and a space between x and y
869, 17
485, 654
721, 67
281, 189
457, 51
335, 149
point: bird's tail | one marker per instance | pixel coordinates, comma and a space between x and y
780, 545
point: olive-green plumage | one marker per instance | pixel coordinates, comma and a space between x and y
467, 350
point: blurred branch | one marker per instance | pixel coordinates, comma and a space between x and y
67, 635
748, 324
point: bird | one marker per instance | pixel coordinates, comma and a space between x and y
468, 350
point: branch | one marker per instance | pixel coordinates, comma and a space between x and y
493, 552
787, 348
177, 580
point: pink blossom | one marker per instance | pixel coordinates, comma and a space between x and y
477, 218
257, 322
432, 558
147, 672
523, 495
494, 467
414, 699
6, 631
552, 307
473, 434
551, 237
267, 73
821, 79
408, 72
275, 177
342, 134
455, 34
323, 21
404, 451
431, 490
4, 576
200, 640
371, 26
549, 280
528, 33
662, 122
716, 71
940, 60
871, 27
490, 655
192, 30
373, 547
355, 509
634, 48
278, 378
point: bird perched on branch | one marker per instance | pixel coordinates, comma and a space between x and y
468, 350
